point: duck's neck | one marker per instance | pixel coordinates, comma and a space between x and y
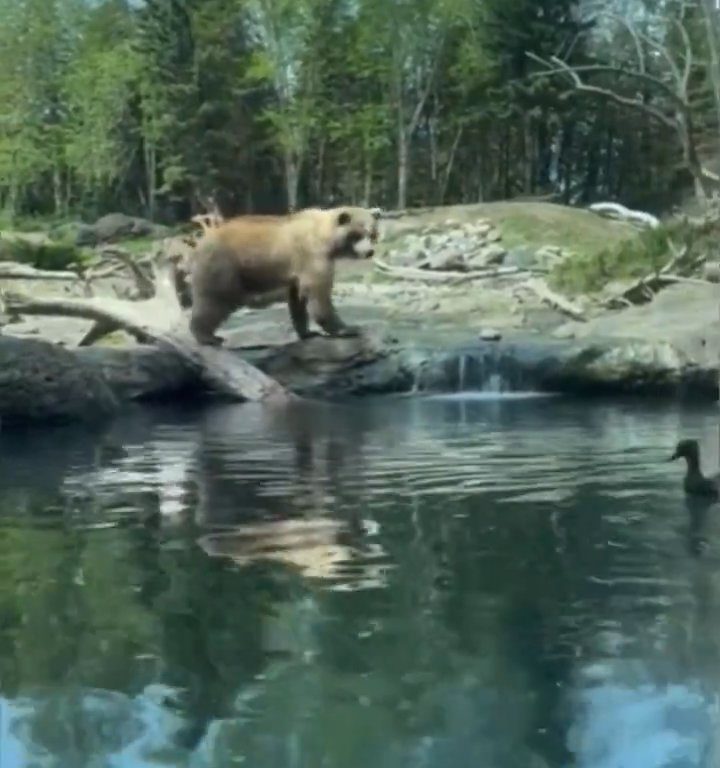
693, 466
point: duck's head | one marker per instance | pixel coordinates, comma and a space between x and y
687, 449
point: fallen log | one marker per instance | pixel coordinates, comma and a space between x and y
11, 270
646, 286
541, 289
616, 210
160, 320
447, 276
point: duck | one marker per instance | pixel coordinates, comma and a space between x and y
695, 483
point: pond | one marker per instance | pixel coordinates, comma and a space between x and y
400, 582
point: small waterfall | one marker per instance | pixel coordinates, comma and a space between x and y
462, 372
484, 371
494, 383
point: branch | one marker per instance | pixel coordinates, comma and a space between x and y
207, 221
580, 86
661, 49
446, 276
645, 285
143, 281
685, 80
544, 293
554, 65
12, 271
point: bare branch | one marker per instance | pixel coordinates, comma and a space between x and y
540, 288
13, 271
650, 41
572, 73
687, 70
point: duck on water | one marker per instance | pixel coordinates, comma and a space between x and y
695, 483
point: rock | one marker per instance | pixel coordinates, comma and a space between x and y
490, 334
336, 368
630, 366
482, 229
450, 248
446, 261
42, 383
118, 226
523, 257
711, 271
488, 255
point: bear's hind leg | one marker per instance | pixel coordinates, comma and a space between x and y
207, 315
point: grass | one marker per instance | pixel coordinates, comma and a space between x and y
645, 254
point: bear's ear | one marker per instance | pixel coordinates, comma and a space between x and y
376, 213
343, 218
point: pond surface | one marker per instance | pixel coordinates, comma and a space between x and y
420, 583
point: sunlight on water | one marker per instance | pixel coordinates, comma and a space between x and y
496, 579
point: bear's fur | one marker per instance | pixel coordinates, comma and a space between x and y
251, 255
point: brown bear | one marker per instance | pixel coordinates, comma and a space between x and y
251, 255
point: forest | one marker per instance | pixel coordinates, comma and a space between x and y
164, 108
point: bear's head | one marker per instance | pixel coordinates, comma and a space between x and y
357, 232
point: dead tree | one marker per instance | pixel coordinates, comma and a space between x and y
158, 319
672, 105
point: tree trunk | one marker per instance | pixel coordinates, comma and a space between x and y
150, 177
402, 169
711, 15
447, 173
367, 179
292, 179
432, 135
685, 130
529, 153
58, 197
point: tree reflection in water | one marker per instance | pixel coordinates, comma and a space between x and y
403, 583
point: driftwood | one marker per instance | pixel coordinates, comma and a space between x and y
207, 221
615, 210
10, 270
446, 276
645, 287
160, 320
540, 288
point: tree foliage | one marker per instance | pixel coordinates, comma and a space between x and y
164, 106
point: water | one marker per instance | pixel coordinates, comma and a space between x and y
408, 582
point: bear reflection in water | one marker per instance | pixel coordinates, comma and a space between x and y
298, 511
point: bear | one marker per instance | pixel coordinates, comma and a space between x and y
257, 254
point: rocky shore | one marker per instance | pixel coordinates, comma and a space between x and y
419, 336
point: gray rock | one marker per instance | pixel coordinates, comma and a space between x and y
342, 367
43, 383
446, 261
489, 255
490, 334
118, 226
523, 257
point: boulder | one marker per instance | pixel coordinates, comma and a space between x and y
43, 383
118, 226
492, 254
